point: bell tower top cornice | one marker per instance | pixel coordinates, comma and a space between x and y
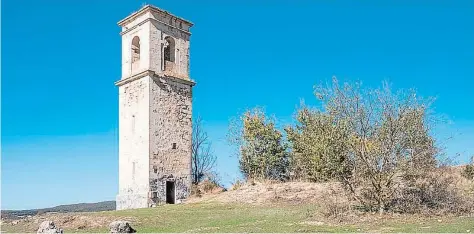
150, 12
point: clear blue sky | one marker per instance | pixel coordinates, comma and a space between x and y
60, 60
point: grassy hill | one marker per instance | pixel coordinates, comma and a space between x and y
233, 217
261, 207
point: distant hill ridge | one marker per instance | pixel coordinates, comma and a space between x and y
79, 207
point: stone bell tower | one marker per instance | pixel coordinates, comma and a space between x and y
155, 106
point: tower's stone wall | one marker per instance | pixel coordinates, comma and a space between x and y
134, 143
170, 125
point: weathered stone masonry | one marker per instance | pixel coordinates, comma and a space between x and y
155, 110
171, 124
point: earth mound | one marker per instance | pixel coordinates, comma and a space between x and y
268, 192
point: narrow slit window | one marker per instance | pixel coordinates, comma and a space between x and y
133, 123
133, 171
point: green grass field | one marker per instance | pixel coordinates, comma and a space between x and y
211, 217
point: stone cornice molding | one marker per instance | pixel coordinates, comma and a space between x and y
154, 9
152, 19
153, 75
134, 77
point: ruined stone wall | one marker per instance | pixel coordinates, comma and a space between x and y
170, 123
134, 144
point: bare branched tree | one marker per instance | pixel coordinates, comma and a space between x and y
390, 144
203, 160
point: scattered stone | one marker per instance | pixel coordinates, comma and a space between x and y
48, 227
121, 227
315, 223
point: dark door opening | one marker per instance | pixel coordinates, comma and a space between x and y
170, 192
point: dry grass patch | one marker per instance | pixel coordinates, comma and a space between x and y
268, 192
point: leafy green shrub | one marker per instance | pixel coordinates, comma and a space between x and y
261, 148
319, 146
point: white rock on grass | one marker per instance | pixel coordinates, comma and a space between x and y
121, 227
48, 227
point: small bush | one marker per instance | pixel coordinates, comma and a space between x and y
434, 193
237, 184
195, 190
335, 207
205, 187
468, 171
210, 186
337, 211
